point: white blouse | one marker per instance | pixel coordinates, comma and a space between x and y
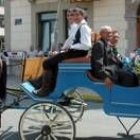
69, 40
85, 40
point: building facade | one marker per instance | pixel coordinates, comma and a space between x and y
41, 24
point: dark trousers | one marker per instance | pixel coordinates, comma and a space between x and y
126, 78
51, 64
120, 77
3, 79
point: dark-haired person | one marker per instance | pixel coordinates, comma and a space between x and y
79, 47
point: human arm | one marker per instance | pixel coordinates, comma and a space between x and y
108, 82
97, 63
68, 43
70, 38
97, 54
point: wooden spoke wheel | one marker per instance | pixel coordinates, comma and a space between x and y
46, 121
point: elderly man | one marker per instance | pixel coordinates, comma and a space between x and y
105, 64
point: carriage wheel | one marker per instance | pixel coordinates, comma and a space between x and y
74, 103
46, 121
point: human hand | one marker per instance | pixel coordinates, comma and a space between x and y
64, 49
108, 82
53, 52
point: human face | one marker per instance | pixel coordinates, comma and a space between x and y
78, 17
114, 38
70, 17
106, 34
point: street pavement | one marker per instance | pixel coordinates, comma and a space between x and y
94, 125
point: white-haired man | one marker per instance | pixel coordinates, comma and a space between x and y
105, 64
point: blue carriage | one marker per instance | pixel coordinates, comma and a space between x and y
54, 116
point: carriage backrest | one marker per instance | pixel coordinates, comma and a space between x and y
96, 37
32, 67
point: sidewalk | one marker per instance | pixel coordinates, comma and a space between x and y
95, 125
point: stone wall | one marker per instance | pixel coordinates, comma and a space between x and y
131, 19
20, 25
111, 12
53, 5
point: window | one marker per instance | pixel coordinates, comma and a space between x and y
47, 23
66, 24
1, 2
2, 21
2, 44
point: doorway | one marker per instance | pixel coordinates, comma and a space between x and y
46, 34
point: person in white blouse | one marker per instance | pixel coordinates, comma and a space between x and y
71, 29
71, 23
78, 22
79, 47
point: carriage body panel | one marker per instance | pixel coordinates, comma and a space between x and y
119, 101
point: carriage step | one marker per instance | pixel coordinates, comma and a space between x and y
66, 101
78, 102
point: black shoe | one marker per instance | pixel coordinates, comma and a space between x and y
36, 82
42, 92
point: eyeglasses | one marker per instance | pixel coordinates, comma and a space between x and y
70, 15
77, 14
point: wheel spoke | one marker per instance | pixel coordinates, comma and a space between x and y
58, 116
49, 137
39, 136
31, 132
62, 125
53, 137
76, 104
32, 121
46, 121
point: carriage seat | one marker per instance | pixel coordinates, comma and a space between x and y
84, 59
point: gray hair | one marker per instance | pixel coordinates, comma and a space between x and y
80, 10
105, 28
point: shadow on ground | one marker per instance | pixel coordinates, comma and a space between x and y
107, 138
15, 136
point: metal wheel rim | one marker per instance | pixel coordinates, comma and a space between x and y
58, 119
